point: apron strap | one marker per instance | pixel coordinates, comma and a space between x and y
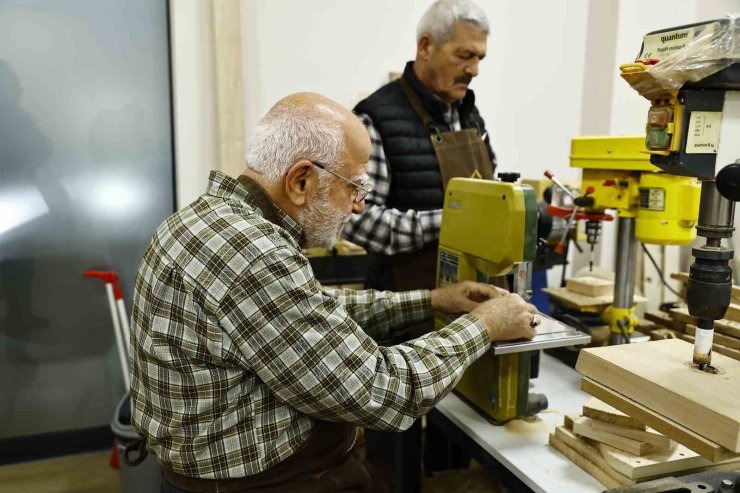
419, 108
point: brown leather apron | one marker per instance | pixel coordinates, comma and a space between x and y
460, 154
332, 460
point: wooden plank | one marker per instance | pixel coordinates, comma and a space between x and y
720, 339
732, 353
660, 375
733, 313
590, 286
602, 411
660, 334
706, 448
651, 437
726, 327
576, 300
684, 277
664, 319
583, 463
655, 464
589, 450
585, 427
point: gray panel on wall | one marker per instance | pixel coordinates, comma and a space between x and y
86, 175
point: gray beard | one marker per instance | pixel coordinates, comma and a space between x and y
321, 222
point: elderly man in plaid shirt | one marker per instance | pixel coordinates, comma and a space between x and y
247, 374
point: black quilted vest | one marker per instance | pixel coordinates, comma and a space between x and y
416, 182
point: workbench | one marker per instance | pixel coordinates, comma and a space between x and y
518, 453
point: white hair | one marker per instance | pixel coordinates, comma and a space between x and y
289, 133
439, 19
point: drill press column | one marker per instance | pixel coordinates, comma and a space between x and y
622, 310
710, 278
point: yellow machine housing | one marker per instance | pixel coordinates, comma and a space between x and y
620, 176
488, 228
665, 206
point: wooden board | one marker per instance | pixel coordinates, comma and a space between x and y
729, 352
660, 334
721, 339
659, 375
664, 319
602, 411
648, 436
590, 286
586, 427
692, 440
727, 327
583, 463
590, 451
684, 277
655, 464
576, 300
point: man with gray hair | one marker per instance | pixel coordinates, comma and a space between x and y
424, 129
246, 373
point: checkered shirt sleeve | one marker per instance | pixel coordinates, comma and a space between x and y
237, 349
385, 230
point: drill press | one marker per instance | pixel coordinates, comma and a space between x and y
691, 76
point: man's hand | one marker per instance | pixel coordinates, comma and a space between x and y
507, 317
464, 297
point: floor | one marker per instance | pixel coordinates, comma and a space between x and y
85, 473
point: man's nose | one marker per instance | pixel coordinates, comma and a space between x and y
472, 68
358, 207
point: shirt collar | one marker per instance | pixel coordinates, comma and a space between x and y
245, 189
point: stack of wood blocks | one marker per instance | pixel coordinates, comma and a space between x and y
677, 323
619, 450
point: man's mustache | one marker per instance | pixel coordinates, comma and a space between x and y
464, 79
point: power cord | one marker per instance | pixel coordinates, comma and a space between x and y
660, 272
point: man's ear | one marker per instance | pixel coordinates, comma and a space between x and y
300, 181
424, 46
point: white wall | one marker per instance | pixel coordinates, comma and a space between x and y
529, 91
194, 98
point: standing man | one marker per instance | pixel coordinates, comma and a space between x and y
424, 129
247, 374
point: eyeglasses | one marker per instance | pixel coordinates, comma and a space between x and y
361, 190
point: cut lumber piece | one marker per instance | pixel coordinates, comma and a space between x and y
678, 460
569, 419
726, 327
590, 286
602, 411
584, 463
717, 348
660, 334
648, 436
575, 300
706, 448
664, 319
585, 427
684, 277
589, 451
733, 313
655, 464
660, 375
721, 339
729, 352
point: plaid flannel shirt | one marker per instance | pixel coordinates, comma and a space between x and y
237, 350
384, 230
